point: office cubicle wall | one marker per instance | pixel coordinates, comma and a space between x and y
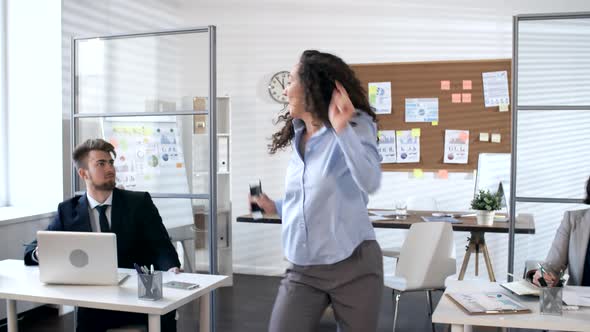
551, 117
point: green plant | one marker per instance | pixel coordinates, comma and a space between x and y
485, 200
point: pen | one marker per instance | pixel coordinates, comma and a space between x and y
137, 268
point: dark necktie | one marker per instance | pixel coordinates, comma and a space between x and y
586, 270
102, 218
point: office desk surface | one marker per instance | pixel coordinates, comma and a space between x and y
524, 222
447, 312
20, 282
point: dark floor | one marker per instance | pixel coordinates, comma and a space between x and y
246, 307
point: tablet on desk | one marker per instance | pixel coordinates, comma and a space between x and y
180, 285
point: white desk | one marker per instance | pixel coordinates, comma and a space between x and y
448, 312
20, 282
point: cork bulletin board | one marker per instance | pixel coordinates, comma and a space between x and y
423, 80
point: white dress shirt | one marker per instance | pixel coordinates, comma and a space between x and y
94, 214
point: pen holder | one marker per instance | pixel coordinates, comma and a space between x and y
551, 300
149, 286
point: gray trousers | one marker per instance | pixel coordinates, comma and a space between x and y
353, 287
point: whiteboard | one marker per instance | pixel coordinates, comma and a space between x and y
493, 168
150, 158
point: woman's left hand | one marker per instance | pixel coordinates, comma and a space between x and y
340, 109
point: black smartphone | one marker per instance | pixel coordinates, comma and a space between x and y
255, 190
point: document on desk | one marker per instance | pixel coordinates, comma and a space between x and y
441, 219
487, 303
576, 295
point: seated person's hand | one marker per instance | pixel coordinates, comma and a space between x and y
265, 203
175, 269
550, 278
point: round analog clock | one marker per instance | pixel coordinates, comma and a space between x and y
277, 85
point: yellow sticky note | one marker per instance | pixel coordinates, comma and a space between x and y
496, 138
484, 137
466, 97
435, 123
372, 89
418, 173
503, 107
466, 84
415, 132
443, 174
456, 98
445, 85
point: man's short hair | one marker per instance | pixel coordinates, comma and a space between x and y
81, 152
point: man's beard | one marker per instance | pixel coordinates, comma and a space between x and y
107, 186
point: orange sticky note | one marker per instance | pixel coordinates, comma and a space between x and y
466, 97
445, 85
464, 136
418, 173
456, 97
415, 132
466, 84
443, 174
435, 123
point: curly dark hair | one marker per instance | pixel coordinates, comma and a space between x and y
317, 73
587, 200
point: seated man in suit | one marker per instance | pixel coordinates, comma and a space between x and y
132, 216
571, 248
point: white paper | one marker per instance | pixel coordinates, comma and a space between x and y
408, 147
496, 138
386, 146
421, 109
495, 88
380, 97
484, 137
456, 146
576, 295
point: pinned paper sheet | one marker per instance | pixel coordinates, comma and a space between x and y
496, 138
435, 123
445, 85
415, 132
456, 98
466, 97
484, 137
418, 173
466, 84
503, 107
443, 174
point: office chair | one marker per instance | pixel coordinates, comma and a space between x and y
415, 203
426, 259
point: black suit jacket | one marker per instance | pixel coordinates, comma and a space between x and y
141, 236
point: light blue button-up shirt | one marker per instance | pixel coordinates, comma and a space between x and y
324, 210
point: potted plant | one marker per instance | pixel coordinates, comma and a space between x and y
486, 204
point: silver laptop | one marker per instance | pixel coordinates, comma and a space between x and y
80, 258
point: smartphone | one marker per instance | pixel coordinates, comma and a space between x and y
255, 190
180, 285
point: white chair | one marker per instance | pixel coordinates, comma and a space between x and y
426, 259
415, 203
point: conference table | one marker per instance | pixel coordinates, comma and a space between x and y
525, 224
21, 283
448, 312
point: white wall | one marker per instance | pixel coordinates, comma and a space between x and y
259, 38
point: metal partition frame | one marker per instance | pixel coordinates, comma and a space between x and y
515, 109
211, 196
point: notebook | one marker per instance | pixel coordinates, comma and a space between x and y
487, 303
522, 287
